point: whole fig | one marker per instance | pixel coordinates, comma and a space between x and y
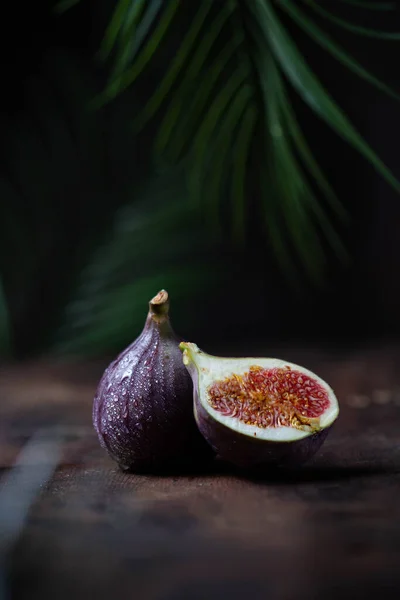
143, 408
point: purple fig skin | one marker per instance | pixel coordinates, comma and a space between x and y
143, 408
246, 452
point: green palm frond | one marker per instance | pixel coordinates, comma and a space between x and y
326, 42
296, 204
310, 89
381, 35
131, 58
213, 84
223, 96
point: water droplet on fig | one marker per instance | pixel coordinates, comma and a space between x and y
153, 424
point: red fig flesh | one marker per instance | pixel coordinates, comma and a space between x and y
259, 411
143, 408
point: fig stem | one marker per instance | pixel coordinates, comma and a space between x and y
159, 305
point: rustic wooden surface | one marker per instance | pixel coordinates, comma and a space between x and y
329, 530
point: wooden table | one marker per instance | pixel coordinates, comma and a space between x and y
329, 530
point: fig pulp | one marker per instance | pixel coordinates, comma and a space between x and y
259, 411
143, 408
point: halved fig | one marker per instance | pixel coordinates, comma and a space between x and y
259, 411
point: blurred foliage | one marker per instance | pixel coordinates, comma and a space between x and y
226, 112
116, 190
152, 244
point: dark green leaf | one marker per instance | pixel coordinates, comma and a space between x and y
311, 90
134, 32
117, 22
204, 135
333, 48
178, 105
120, 83
221, 157
177, 63
241, 153
272, 217
305, 153
382, 35
195, 109
207, 95
290, 182
291, 200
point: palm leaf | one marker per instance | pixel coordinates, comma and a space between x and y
291, 188
333, 48
129, 18
220, 162
284, 127
381, 35
119, 21
210, 106
177, 64
241, 155
123, 78
190, 109
198, 60
305, 153
212, 121
311, 90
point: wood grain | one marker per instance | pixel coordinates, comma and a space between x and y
328, 530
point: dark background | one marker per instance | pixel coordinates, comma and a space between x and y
89, 232
66, 170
